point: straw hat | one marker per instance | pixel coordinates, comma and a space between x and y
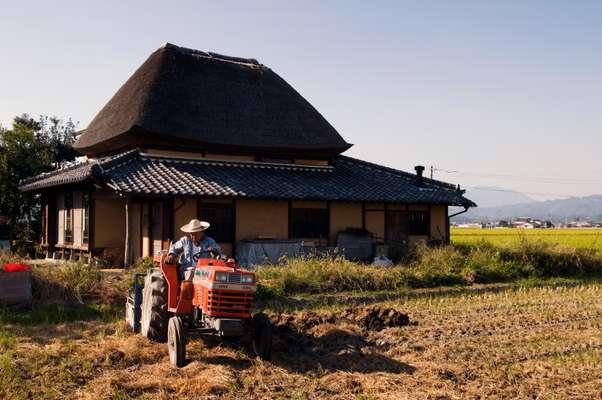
195, 226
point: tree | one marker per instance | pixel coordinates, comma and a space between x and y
29, 148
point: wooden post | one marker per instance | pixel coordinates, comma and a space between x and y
127, 258
328, 206
363, 215
447, 229
168, 221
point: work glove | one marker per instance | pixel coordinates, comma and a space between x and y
170, 259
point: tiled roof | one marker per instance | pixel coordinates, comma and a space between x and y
71, 174
348, 179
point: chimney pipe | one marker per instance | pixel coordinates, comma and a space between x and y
419, 170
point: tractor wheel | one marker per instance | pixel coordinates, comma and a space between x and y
153, 321
176, 342
262, 336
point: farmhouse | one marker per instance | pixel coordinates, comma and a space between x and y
227, 140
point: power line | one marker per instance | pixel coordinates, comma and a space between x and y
516, 191
525, 178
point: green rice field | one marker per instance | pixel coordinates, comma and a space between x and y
584, 238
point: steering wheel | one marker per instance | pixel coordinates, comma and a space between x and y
212, 252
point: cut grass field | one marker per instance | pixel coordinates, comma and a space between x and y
580, 238
488, 341
536, 335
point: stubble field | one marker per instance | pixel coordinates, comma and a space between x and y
489, 341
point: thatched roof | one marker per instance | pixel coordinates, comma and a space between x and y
193, 99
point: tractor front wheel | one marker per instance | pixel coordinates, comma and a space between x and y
153, 319
176, 342
262, 336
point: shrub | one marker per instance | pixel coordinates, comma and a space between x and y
319, 274
69, 283
436, 266
143, 264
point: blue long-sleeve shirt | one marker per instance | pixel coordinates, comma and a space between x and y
190, 253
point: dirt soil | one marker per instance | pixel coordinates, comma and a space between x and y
501, 343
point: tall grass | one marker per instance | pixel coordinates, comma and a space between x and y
479, 262
317, 274
70, 283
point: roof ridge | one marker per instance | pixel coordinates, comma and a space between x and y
237, 163
56, 171
212, 55
399, 172
116, 160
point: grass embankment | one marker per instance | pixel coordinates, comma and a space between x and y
480, 262
590, 238
70, 302
70, 292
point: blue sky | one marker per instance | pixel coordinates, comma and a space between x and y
509, 88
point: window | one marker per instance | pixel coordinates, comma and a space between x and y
68, 217
309, 223
85, 218
156, 226
419, 223
396, 226
221, 218
44, 212
4, 232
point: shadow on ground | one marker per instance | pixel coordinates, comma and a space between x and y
298, 351
335, 350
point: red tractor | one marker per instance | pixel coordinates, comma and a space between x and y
219, 301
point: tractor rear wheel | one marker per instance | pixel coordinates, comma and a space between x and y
153, 321
176, 342
262, 336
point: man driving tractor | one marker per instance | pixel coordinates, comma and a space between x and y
190, 247
219, 301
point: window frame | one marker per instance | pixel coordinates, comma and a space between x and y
224, 229
4, 232
85, 218
301, 215
419, 223
68, 218
402, 231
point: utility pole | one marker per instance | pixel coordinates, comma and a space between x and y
432, 168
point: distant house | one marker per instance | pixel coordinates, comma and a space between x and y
472, 225
530, 223
579, 224
193, 134
523, 223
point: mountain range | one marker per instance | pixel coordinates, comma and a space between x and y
558, 211
493, 196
